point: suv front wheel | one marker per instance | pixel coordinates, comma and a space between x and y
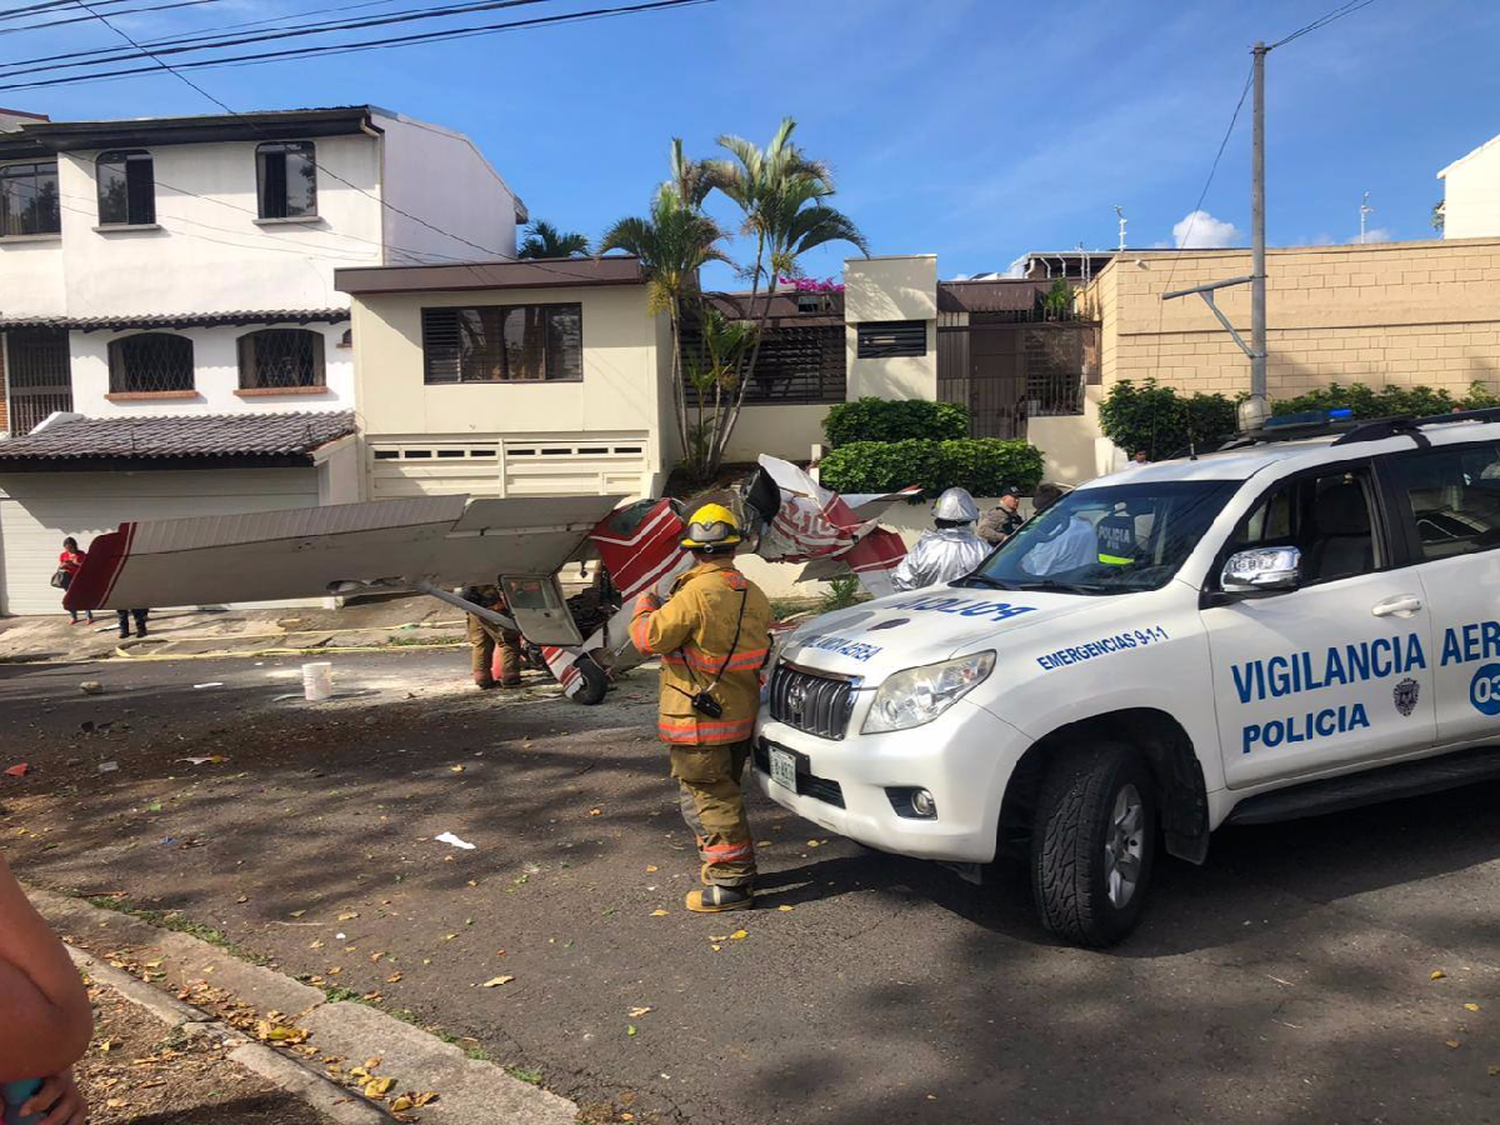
1093, 843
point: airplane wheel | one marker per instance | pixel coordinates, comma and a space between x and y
595, 682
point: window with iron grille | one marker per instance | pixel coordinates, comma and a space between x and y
503, 344
883, 339
281, 357
151, 361
29, 199
287, 178
127, 188
797, 364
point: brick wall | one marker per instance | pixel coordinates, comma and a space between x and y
1391, 313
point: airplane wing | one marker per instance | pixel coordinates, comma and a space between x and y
312, 552
871, 505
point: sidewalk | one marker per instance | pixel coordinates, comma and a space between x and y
179, 633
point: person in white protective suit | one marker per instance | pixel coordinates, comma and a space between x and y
950, 550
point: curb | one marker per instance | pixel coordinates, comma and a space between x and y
324, 1095
471, 1091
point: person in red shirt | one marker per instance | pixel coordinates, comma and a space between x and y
68, 564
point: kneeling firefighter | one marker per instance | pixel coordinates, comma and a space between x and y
950, 550
713, 637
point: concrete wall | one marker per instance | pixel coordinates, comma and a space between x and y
1069, 442
1471, 194
440, 175
216, 376
208, 251
1389, 313
891, 288
788, 432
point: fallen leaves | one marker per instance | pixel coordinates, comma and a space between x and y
1438, 974
378, 1087
785, 909
456, 769
496, 982
348, 915
1452, 1044
394, 978
596, 812
652, 869
637, 1013
739, 935
660, 913
630, 1030
1471, 1007
283, 1033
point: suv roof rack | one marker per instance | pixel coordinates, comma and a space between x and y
1347, 431
1410, 426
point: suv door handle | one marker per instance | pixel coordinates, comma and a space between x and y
1402, 605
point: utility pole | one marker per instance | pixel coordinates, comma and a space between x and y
1254, 410
1257, 408
1365, 211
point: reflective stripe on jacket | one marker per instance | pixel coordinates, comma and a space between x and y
692, 633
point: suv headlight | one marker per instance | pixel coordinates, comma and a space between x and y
918, 695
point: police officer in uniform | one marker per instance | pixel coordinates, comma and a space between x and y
713, 637
1003, 520
485, 637
950, 550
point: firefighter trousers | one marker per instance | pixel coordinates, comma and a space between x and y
708, 778
484, 640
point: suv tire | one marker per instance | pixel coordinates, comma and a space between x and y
1093, 844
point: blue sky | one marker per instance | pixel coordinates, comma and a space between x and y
973, 129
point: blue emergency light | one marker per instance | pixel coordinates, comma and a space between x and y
1311, 417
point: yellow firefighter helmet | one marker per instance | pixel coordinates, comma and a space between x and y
712, 525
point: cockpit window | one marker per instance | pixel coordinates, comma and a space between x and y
1108, 540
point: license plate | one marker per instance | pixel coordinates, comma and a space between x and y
784, 768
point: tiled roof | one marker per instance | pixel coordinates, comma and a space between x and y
179, 320
286, 437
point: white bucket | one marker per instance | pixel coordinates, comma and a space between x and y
317, 681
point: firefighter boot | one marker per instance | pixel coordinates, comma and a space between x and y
716, 899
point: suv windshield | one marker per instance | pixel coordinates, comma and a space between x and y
1108, 540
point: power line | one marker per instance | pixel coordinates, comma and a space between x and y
205, 33
366, 45
121, 12
155, 51
1322, 21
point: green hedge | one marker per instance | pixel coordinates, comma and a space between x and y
1370, 402
1161, 421
982, 465
878, 419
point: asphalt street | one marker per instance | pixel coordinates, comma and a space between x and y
1291, 978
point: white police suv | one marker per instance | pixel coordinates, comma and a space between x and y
1308, 619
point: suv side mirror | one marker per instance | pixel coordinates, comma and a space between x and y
1262, 571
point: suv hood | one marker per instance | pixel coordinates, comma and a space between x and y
907, 630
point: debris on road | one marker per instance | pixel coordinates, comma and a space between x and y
91, 687
496, 982
18, 770
108, 767
198, 761
450, 838
211, 683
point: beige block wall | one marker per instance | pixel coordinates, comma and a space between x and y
1384, 314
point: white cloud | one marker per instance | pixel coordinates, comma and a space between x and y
1377, 234
1200, 230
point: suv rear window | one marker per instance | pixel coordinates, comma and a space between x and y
1453, 494
1109, 540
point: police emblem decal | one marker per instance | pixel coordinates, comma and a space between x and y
1405, 695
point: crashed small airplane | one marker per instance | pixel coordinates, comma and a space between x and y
436, 544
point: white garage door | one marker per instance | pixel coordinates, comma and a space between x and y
37, 510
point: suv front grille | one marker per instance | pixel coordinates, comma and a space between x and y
816, 704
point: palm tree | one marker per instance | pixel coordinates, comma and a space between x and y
673, 242
781, 192
543, 240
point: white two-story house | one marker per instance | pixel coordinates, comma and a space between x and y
167, 300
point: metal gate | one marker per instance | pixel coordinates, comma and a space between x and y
40, 376
983, 367
1006, 371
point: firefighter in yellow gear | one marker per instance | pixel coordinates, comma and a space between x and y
713, 635
486, 638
